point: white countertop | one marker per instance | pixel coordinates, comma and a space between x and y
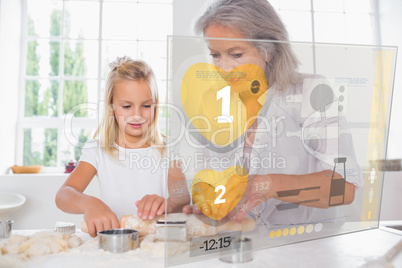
348, 250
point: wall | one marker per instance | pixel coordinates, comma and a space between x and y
184, 14
390, 20
10, 39
39, 210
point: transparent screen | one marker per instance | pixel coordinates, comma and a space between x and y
278, 142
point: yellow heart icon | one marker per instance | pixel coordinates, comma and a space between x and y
217, 193
223, 105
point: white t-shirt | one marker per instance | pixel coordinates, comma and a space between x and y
136, 173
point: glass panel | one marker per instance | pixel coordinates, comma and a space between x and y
329, 5
41, 98
72, 143
120, 21
40, 147
298, 25
81, 58
329, 27
113, 49
44, 17
230, 121
359, 29
42, 58
76, 19
78, 95
295, 4
155, 22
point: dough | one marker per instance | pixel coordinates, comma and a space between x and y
12, 261
158, 248
2, 248
74, 241
14, 242
40, 247
40, 243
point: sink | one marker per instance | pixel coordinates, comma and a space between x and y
9, 203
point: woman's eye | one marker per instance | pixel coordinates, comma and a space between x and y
237, 55
147, 106
126, 106
215, 56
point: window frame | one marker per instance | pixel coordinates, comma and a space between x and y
61, 121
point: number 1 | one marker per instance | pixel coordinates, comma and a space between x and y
224, 94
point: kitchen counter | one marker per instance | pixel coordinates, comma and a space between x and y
348, 250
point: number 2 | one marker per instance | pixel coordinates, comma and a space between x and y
224, 94
218, 200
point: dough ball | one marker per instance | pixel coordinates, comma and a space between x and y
74, 241
40, 247
16, 239
14, 242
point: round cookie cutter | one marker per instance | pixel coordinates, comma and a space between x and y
118, 240
6, 228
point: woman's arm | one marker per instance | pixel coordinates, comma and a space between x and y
71, 199
315, 188
151, 205
177, 187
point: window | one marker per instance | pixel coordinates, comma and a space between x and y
67, 47
329, 21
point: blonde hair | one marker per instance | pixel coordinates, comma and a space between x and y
257, 19
133, 70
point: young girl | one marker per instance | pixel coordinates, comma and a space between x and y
125, 154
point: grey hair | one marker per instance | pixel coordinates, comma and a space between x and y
257, 19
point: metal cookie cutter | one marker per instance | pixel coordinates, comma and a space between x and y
6, 228
64, 227
118, 240
171, 230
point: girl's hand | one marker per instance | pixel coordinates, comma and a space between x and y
150, 206
191, 209
99, 217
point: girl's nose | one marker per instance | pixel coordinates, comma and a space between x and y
137, 111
